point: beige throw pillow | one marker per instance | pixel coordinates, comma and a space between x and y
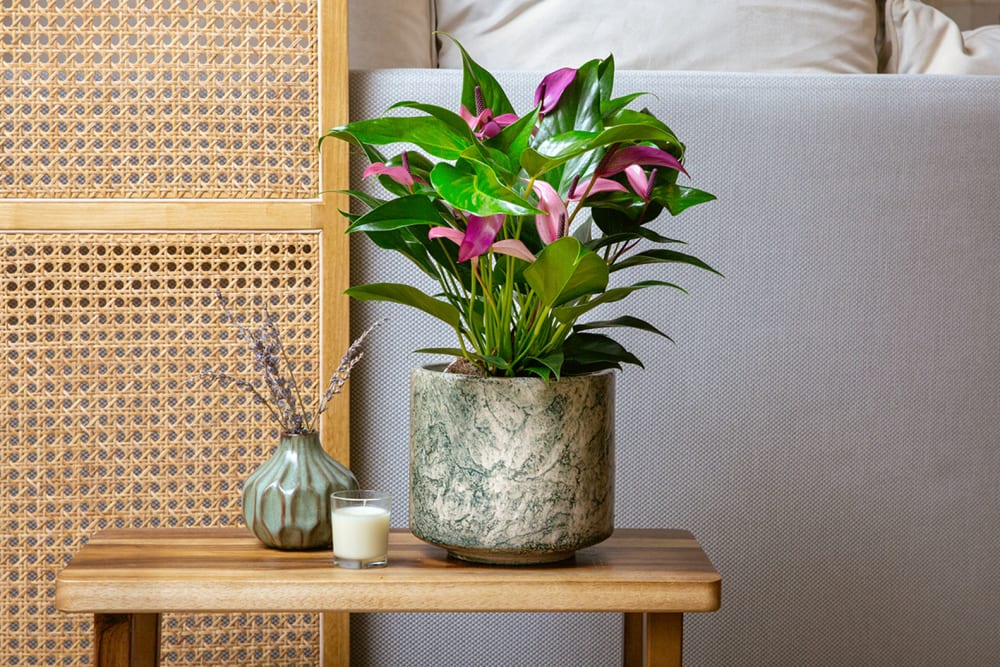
922, 40
391, 33
731, 35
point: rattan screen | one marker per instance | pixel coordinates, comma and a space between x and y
164, 99
104, 422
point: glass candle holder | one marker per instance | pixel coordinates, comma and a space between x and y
360, 521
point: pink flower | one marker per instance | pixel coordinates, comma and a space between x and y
479, 236
550, 225
617, 161
485, 125
599, 185
552, 87
642, 184
401, 175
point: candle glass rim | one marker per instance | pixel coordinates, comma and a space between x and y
365, 495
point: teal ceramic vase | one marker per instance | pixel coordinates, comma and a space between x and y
286, 501
511, 470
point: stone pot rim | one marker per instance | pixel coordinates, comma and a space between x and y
437, 369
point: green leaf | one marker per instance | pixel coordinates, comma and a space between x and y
662, 256
572, 313
485, 359
429, 133
472, 187
449, 351
555, 151
632, 117
624, 321
610, 107
635, 132
579, 106
409, 296
514, 139
549, 365
473, 75
454, 122
630, 235
565, 270
586, 353
398, 213
370, 152
363, 197
606, 78
676, 198
618, 216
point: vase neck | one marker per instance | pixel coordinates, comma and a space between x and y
300, 440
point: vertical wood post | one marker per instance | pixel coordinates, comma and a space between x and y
127, 640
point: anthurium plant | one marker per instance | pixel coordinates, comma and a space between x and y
522, 219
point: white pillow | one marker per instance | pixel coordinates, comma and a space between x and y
923, 40
391, 33
732, 35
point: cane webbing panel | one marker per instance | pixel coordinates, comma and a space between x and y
174, 99
106, 424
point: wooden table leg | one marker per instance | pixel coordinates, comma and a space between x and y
335, 639
653, 640
126, 640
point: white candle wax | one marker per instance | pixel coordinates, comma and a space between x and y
360, 532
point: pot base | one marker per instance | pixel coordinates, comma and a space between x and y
495, 557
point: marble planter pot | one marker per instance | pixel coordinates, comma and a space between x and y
511, 470
286, 501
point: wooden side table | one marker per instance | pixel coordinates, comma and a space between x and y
127, 578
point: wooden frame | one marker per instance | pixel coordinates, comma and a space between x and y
317, 214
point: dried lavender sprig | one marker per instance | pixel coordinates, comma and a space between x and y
265, 344
224, 378
288, 407
294, 393
340, 376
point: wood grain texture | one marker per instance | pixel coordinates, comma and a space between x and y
653, 640
126, 640
227, 569
664, 635
335, 628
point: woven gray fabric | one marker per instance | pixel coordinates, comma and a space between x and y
828, 421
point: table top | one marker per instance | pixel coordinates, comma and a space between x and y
229, 570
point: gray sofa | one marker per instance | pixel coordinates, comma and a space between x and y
828, 421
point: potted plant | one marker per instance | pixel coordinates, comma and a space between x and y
286, 500
521, 220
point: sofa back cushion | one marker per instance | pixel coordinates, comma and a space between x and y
729, 35
391, 33
920, 39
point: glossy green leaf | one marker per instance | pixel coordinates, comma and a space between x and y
631, 235
429, 133
398, 213
454, 122
573, 312
474, 188
409, 296
662, 256
547, 366
474, 75
588, 352
624, 321
564, 271
514, 139
677, 198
